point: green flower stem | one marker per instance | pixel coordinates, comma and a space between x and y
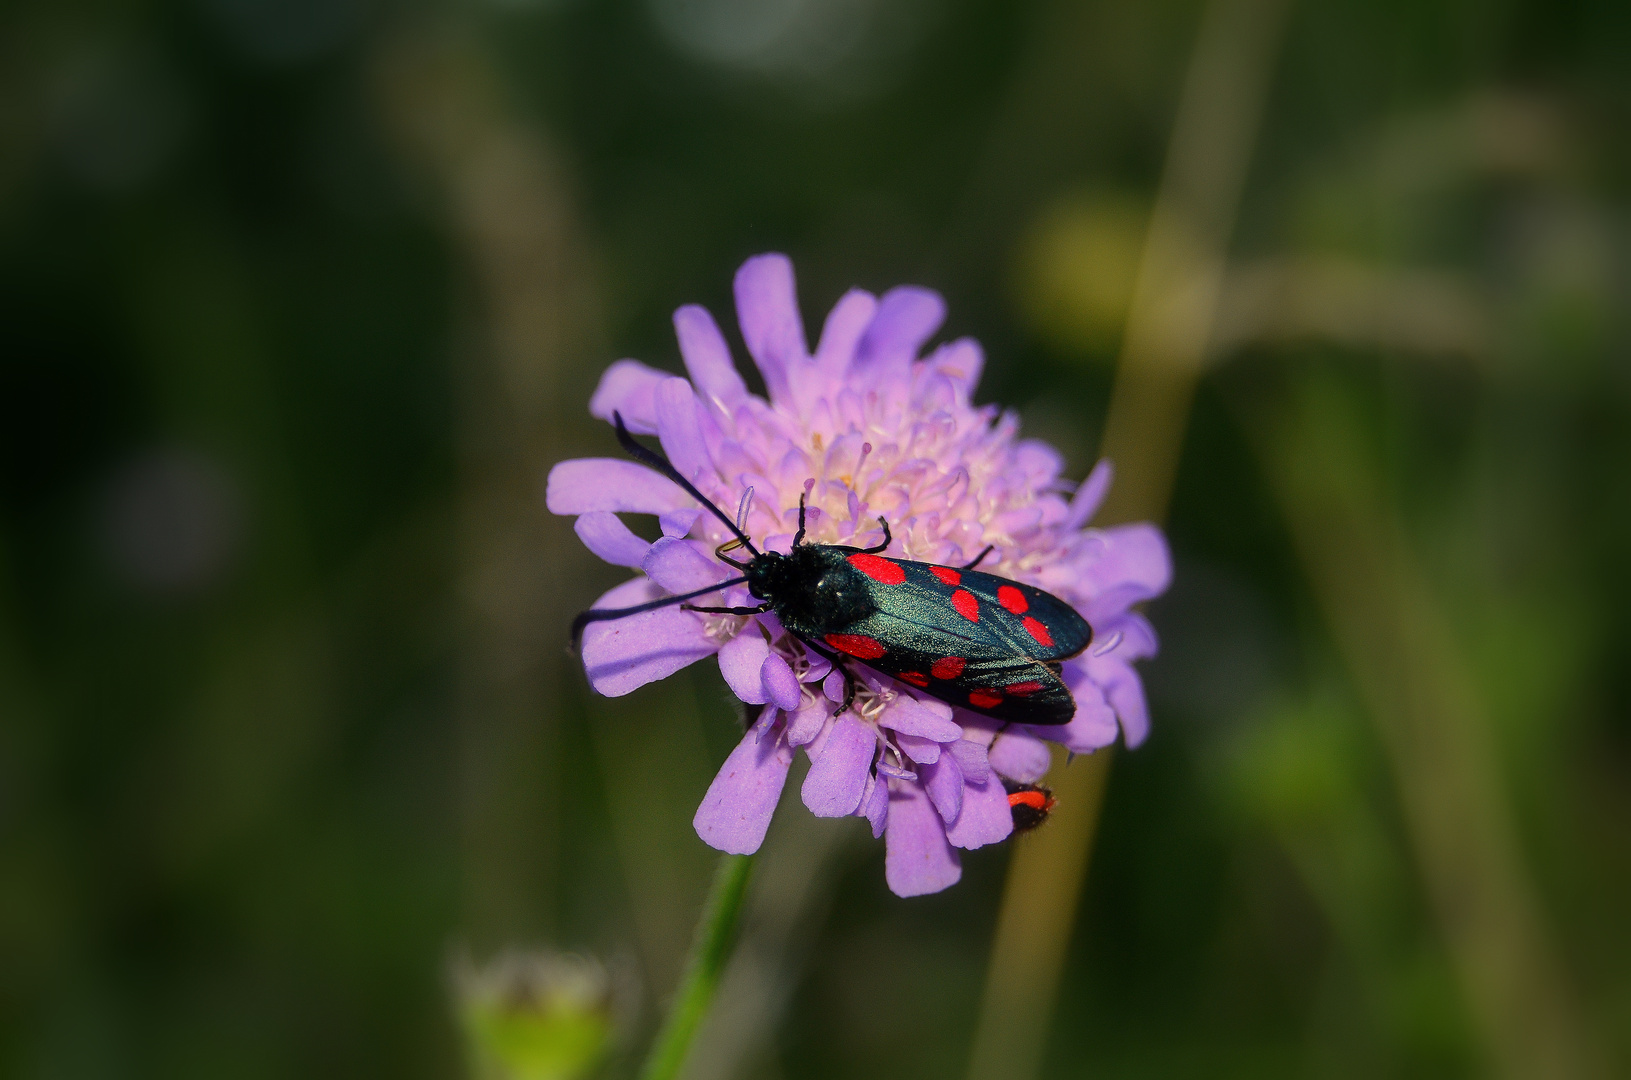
715, 936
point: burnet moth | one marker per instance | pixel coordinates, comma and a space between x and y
1030, 804
973, 640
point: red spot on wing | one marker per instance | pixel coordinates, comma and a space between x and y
879, 570
1036, 800
857, 645
1012, 599
966, 605
985, 699
947, 575
948, 667
1022, 689
1038, 631
916, 678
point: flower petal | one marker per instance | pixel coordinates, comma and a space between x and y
972, 759
944, 782
767, 309
804, 725
1020, 756
923, 751
1134, 564
736, 811
620, 655
842, 332
677, 523
986, 817
627, 388
679, 430
1094, 725
604, 533
960, 362
838, 776
907, 316
833, 686
917, 859
680, 566
708, 358
875, 805
779, 682
1125, 692
1085, 503
587, 484
742, 661
925, 719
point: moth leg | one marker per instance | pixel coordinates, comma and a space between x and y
980, 558
886, 540
760, 610
798, 537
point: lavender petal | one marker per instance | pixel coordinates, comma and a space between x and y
604, 533
584, 485
1020, 756
986, 817
626, 388
928, 720
1133, 565
907, 316
679, 429
779, 682
838, 775
944, 782
917, 859
772, 328
742, 661
708, 358
972, 759
875, 806
804, 725
923, 751
1085, 503
677, 523
620, 655
680, 566
736, 811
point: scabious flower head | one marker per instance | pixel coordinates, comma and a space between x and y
866, 427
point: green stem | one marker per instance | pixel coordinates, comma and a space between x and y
716, 934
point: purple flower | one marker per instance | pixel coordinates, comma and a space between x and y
867, 427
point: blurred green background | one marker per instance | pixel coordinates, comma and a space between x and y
299, 299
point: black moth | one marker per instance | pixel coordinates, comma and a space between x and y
973, 640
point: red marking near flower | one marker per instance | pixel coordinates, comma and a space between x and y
984, 699
1036, 800
947, 575
966, 605
880, 570
916, 678
1038, 631
857, 645
1012, 599
1022, 689
948, 667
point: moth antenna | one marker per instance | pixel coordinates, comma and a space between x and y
603, 614
650, 457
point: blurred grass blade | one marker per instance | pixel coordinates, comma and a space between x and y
1399, 648
1169, 328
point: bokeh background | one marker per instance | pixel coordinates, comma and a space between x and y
299, 299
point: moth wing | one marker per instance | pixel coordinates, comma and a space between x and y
1030, 621
964, 664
